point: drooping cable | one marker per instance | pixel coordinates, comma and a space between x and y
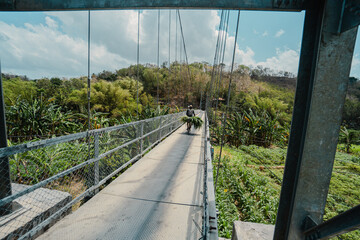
88, 89
180, 70
176, 37
176, 62
209, 94
221, 66
168, 81
227, 101
158, 60
218, 64
137, 64
88, 80
184, 45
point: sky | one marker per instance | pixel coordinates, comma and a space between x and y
54, 44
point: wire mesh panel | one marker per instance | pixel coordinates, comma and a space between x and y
50, 178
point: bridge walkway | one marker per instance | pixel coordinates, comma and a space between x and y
157, 198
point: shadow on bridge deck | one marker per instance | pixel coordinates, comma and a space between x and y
157, 198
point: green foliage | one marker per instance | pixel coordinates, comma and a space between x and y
16, 89
195, 121
246, 180
349, 137
351, 113
37, 165
149, 112
252, 127
36, 119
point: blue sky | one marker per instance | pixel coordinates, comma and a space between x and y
46, 44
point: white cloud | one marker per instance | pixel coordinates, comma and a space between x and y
59, 46
285, 60
43, 51
355, 66
265, 34
51, 22
355, 61
279, 33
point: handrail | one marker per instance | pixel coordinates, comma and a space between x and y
210, 228
21, 148
163, 126
73, 169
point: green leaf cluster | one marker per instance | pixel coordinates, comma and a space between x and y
195, 121
248, 180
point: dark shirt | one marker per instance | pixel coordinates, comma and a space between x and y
190, 113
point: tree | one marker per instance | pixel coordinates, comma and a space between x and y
349, 137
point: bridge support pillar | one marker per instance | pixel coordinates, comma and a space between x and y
323, 77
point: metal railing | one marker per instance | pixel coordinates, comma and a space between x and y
49, 177
209, 228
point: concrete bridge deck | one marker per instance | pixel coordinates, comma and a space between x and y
157, 198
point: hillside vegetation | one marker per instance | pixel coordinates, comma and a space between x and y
256, 137
250, 181
258, 126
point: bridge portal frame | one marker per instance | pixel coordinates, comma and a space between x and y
329, 37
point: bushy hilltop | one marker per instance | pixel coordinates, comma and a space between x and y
257, 92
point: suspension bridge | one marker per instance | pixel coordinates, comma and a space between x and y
157, 198
163, 187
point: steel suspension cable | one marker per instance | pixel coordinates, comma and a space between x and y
184, 45
217, 64
168, 81
176, 37
88, 88
209, 95
181, 67
228, 101
137, 64
176, 62
88, 80
158, 59
222, 64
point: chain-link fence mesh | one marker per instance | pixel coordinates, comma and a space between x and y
50, 178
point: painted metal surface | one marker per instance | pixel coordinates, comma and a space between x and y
342, 223
346, 15
299, 120
60, 5
322, 83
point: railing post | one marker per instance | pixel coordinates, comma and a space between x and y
171, 125
5, 181
96, 166
160, 128
141, 138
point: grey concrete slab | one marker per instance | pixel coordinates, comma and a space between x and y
33, 208
252, 231
157, 198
